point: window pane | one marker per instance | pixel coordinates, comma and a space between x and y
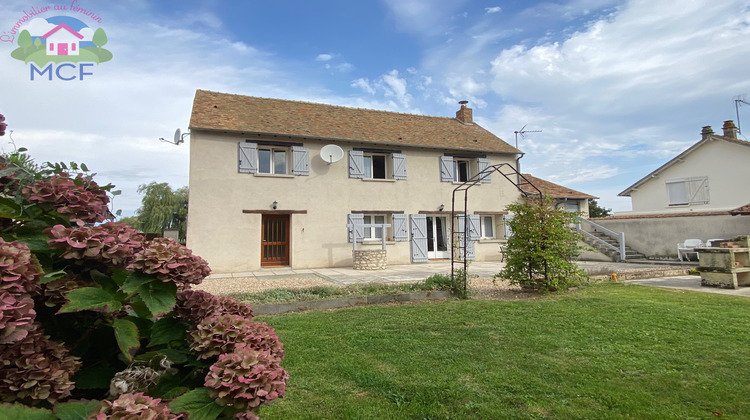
379, 231
368, 231
279, 161
378, 167
368, 166
264, 161
489, 227
677, 193
463, 171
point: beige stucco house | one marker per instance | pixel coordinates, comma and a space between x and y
564, 198
710, 176
267, 187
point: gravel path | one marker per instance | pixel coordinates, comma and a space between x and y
482, 288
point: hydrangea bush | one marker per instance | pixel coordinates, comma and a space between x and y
97, 322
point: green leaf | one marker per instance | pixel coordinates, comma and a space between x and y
198, 404
37, 242
126, 334
105, 281
159, 297
51, 276
84, 168
135, 280
87, 298
119, 275
21, 412
77, 410
94, 377
116, 192
166, 330
175, 356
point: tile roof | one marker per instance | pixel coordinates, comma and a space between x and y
553, 190
252, 115
741, 211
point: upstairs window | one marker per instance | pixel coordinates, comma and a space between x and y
686, 191
463, 168
376, 164
272, 160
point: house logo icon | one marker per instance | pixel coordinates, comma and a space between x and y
59, 45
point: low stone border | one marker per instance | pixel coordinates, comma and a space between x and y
642, 274
282, 308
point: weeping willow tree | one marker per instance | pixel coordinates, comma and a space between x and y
162, 208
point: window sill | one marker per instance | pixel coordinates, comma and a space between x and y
378, 180
492, 241
376, 242
273, 175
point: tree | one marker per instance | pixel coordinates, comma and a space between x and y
596, 211
162, 208
100, 38
24, 40
131, 221
542, 246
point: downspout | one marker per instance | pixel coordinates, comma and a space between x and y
518, 169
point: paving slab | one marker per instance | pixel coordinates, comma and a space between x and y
692, 283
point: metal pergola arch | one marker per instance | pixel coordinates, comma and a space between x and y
465, 187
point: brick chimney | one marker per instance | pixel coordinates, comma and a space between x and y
464, 114
706, 131
730, 130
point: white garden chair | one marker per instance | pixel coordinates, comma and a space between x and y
688, 247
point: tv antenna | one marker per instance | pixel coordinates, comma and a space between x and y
522, 132
738, 101
179, 137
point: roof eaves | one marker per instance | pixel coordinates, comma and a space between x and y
332, 139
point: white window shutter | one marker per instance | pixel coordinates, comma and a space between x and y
474, 232
446, 168
356, 164
698, 190
482, 165
300, 160
418, 224
354, 223
470, 253
399, 166
247, 157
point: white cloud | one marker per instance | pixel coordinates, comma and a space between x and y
491, 10
396, 86
323, 57
363, 84
37, 27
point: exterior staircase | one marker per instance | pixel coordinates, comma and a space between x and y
630, 253
607, 242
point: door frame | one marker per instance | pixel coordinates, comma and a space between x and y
273, 240
435, 254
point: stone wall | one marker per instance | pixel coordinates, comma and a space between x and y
369, 259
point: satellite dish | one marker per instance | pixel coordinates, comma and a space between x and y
177, 136
331, 153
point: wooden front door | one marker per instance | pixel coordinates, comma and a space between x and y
274, 248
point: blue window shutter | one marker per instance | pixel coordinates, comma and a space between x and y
474, 232
399, 166
418, 224
356, 164
470, 253
400, 230
483, 164
446, 168
300, 160
247, 157
357, 221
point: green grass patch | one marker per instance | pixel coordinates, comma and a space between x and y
602, 351
435, 282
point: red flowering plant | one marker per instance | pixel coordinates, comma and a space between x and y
98, 322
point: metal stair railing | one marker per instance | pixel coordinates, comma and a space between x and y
618, 237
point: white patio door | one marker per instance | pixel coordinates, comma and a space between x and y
437, 237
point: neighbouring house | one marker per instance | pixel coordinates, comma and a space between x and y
701, 193
62, 40
709, 176
267, 187
563, 198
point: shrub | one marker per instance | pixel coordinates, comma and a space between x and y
539, 254
95, 318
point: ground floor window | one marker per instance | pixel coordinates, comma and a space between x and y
488, 227
374, 233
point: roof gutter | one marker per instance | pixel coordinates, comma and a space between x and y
518, 169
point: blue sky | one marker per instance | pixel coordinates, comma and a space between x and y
617, 87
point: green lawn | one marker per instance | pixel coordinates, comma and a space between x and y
602, 351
